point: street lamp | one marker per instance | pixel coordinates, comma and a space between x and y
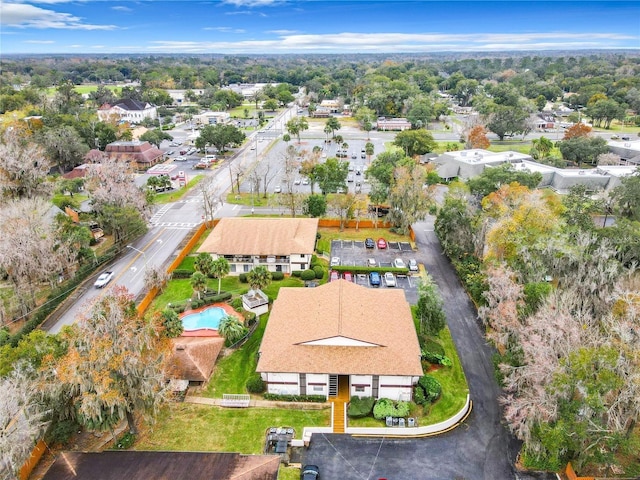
144, 255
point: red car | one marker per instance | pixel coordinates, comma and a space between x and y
382, 243
348, 276
334, 276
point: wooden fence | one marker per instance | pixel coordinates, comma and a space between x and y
571, 474
30, 464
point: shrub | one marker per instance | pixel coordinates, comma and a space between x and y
172, 324
432, 346
319, 271
178, 307
277, 276
296, 273
308, 275
195, 303
236, 303
360, 407
314, 261
181, 273
126, 441
418, 396
61, 431
242, 278
255, 384
385, 407
431, 389
249, 317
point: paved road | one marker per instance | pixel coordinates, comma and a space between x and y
480, 449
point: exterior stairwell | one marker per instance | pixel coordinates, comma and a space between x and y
340, 404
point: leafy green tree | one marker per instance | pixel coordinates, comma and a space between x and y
491, 179
369, 150
65, 147
199, 282
155, 137
429, 308
315, 206
333, 124
383, 167
331, 175
259, 277
157, 96
580, 207
507, 120
102, 95
270, 105
122, 222
626, 196
172, 323
219, 269
105, 133
542, 147
409, 199
415, 142
583, 149
220, 136
420, 113
457, 222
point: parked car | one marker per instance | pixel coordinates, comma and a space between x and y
296, 181
374, 279
103, 279
310, 472
382, 243
369, 243
390, 279
200, 166
192, 150
171, 152
413, 266
625, 137
348, 276
350, 177
353, 155
614, 137
335, 261
371, 262
398, 263
305, 181
180, 158
334, 276
278, 189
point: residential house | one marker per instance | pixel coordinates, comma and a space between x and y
280, 244
141, 465
332, 105
143, 154
127, 110
193, 358
343, 333
384, 124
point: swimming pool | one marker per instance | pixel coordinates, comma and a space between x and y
207, 318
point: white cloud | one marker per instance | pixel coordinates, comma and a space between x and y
403, 42
28, 16
253, 3
283, 32
121, 8
39, 42
225, 29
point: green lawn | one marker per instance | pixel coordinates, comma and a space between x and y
84, 89
188, 427
170, 197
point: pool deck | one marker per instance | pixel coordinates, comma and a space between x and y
208, 332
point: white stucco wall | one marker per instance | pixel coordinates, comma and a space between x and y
313, 381
282, 383
360, 380
296, 259
396, 387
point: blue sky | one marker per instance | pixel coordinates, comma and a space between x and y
280, 26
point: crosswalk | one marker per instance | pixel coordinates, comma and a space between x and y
176, 225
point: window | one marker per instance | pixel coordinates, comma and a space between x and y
303, 255
232, 268
247, 268
359, 388
318, 388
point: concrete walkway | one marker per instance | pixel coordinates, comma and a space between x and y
217, 402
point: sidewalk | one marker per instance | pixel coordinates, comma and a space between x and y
217, 402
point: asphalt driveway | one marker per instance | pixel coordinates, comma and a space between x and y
480, 449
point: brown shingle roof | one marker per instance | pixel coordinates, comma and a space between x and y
262, 236
132, 465
380, 317
194, 357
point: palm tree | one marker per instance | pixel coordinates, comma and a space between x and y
199, 282
204, 264
333, 124
220, 268
368, 150
259, 278
231, 329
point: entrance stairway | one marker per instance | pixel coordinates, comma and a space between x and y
340, 404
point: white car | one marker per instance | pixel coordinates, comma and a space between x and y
180, 159
103, 279
296, 181
335, 261
305, 181
390, 279
413, 266
398, 263
278, 189
372, 262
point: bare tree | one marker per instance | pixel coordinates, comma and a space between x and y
210, 196
23, 167
608, 159
237, 171
22, 420
111, 182
155, 277
268, 174
342, 207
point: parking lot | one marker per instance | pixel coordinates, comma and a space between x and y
354, 253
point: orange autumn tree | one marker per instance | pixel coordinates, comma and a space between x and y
114, 366
577, 130
478, 138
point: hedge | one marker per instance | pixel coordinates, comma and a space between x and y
295, 398
431, 390
319, 271
296, 273
255, 384
242, 278
277, 276
308, 275
181, 273
386, 407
